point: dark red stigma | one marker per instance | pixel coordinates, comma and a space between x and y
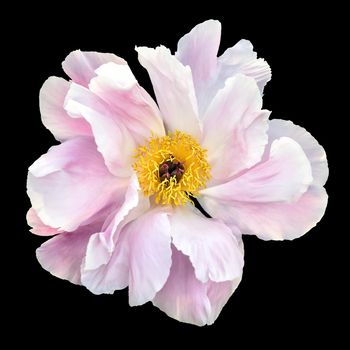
171, 169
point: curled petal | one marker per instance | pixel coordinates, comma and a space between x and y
198, 49
186, 299
272, 220
53, 114
141, 259
212, 248
284, 176
38, 227
313, 150
70, 184
63, 254
113, 140
80, 66
116, 85
235, 128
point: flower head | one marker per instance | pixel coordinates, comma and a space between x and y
117, 192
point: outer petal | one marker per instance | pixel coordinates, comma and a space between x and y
80, 66
148, 240
188, 300
313, 150
38, 227
70, 184
284, 176
173, 86
212, 248
241, 58
199, 48
141, 259
53, 115
274, 220
102, 244
112, 138
235, 128
116, 85
62, 255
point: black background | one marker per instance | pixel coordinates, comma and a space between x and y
289, 289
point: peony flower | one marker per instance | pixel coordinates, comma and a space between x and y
117, 192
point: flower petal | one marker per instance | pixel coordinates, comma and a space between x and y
148, 240
116, 85
173, 86
274, 220
212, 248
38, 227
102, 244
141, 259
113, 140
199, 48
241, 58
70, 184
53, 115
80, 66
235, 128
63, 254
313, 150
188, 300
261, 201
284, 176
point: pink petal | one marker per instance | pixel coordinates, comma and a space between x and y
274, 220
53, 115
284, 176
275, 216
70, 184
235, 128
117, 86
313, 150
63, 254
199, 48
148, 240
241, 58
113, 140
173, 86
212, 248
80, 66
141, 259
38, 227
186, 299
102, 244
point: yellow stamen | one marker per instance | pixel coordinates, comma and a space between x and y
176, 147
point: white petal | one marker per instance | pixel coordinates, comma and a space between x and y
284, 176
80, 66
114, 141
198, 49
116, 85
210, 245
272, 220
63, 254
235, 128
173, 86
53, 114
70, 184
186, 299
313, 150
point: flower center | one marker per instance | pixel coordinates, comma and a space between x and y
172, 168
